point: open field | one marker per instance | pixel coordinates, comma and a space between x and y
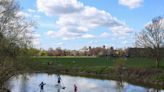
97, 62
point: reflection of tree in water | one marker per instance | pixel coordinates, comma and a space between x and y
23, 83
153, 90
119, 86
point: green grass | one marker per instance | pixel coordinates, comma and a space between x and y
75, 62
143, 63
96, 62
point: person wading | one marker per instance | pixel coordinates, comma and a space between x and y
59, 79
75, 88
42, 86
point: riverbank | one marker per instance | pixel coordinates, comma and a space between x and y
144, 75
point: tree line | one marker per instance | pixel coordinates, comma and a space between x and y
85, 51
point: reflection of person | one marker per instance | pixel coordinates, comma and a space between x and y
42, 86
58, 90
75, 88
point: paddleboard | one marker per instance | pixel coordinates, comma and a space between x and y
58, 86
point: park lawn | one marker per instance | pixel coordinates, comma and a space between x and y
96, 62
75, 62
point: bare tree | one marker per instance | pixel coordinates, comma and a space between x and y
15, 36
152, 38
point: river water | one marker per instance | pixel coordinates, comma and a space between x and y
30, 83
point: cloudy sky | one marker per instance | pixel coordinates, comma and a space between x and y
73, 24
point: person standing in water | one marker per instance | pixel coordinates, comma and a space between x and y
75, 88
59, 82
42, 86
59, 79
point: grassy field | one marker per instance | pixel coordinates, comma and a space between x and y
92, 62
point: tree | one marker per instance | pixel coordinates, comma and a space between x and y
152, 38
59, 51
15, 37
50, 52
34, 51
43, 53
111, 51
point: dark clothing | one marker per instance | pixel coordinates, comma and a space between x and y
75, 88
42, 85
59, 79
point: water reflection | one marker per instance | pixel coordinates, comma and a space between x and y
119, 86
30, 83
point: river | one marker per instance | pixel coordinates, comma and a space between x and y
30, 83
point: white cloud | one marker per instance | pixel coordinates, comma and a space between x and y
31, 10
93, 42
104, 35
58, 7
131, 3
59, 43
162, 23
75, 19
125, 42
23, 14
91, 18
121, 30
64, 34
150, 23
36, 39
37, 16
88, 36
46, 24
36, 42
34, 36
28, 14
68, 35
50, 33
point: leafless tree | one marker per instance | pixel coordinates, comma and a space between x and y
152, 38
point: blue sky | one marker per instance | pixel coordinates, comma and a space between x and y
73, 24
